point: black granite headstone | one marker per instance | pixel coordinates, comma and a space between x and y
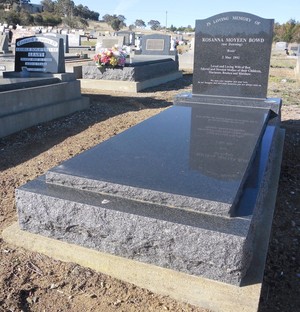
40, 54
156, 44
232, 55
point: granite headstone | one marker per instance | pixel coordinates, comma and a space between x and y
64, 37
129, 37
281, 45
40, 54
74, 40
3, 43
232, 55
156, 44
107, 42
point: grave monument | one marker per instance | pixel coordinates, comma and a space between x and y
38, 90
107, 42
182, 203
4, 44
40, 54
156, 65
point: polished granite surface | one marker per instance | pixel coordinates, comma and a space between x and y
199, 152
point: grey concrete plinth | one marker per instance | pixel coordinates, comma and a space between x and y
25, 102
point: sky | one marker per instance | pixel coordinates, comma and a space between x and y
183, 13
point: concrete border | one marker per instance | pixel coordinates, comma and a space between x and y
127, 86
205, 293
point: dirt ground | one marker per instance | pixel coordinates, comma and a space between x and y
34, 282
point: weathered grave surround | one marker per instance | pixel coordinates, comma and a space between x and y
183, 190
25, 102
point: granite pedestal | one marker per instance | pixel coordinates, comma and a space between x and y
139, 72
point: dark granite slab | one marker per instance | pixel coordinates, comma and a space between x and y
187, 99
8, 84
184, 240
195, 158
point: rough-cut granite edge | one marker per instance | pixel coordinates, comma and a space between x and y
140, 194
188, 249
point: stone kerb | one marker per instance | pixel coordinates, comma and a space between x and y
297, 68
25, 102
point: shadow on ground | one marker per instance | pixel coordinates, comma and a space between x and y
283, 261
37, 139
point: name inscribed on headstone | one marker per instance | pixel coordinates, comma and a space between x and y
155, 44
232, 55
40, 54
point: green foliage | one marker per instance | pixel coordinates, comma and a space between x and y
75, 22
114, 21
154, 25
188, 28
46, 19
48, 6
26, 18
53, 12
139, 23
288, 32
10, 17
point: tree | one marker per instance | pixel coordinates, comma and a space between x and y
131, 27
107, 18
11, 18
172, 28
26, 19
85, 13
139, 23
154, 25
48, 6
115, 22
64, 7
51, 19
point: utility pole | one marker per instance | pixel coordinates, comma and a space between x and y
166, 20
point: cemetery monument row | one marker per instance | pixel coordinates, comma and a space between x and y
189, 190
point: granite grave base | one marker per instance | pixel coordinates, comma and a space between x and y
189, 191
138, 73
25, 102
134, 196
